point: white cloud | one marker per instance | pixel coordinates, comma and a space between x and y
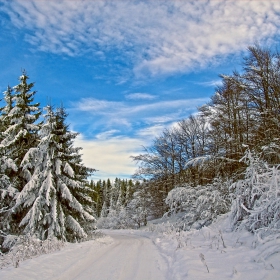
213, 83
150, 132
99, 106
125, 129
111, 157
107, 134
154, 37
139, 95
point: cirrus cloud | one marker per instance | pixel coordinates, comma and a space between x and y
153, 37
140, 95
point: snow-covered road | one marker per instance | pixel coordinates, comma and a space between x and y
139, 254
120, 255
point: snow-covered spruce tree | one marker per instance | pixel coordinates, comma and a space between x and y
54, 202
7, 193
4, 117
21, 131
7, 166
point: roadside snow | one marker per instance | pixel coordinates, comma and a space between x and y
226, 254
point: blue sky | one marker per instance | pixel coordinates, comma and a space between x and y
125, 70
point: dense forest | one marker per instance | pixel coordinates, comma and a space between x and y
225, 158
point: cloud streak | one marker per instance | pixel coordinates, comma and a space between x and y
139, 96
120, 115
154, 37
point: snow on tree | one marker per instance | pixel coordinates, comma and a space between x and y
7, 193
113, 194
7, 167
138, 207
106, 198
200, 205
116, 212
104, 210
55, 201
5, 118
18, 134
121, 196
21, 131
256, 198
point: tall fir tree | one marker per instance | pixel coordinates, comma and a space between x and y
5, 117
7, 165
21, 127
55, 201
19, 132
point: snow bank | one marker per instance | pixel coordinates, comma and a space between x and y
216, 252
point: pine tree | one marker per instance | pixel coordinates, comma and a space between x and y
7, 193
7, 166
106, 198
55, 201
5, 118
129, 191
97, 196
21, 131
121, 194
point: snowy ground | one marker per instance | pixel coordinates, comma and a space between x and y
120, 255
140, 254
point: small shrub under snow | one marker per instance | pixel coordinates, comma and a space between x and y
256, 198
25, 247
198, 206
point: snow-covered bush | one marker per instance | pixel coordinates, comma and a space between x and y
198, 206
116, 219
25, 247
256, 198
134, 215
181, 199
138, 208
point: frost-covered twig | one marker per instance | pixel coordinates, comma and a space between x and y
220, 232
202, 258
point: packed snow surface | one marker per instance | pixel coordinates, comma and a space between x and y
119, 255
145, 255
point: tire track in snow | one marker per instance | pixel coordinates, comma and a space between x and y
126, 256
134, 257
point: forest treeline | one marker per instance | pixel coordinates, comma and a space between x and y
120, 204
244, 113
223, 158
213, 149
